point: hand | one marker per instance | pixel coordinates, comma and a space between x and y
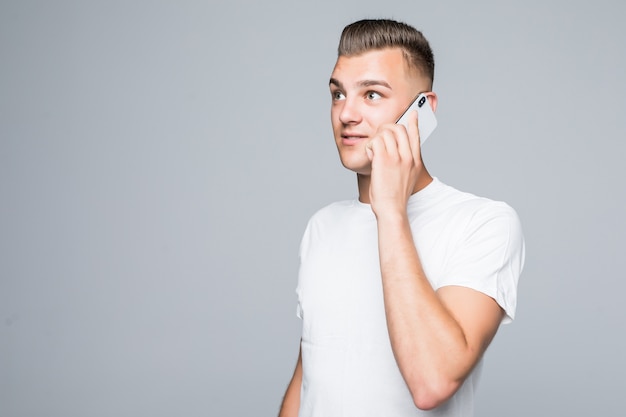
396, 166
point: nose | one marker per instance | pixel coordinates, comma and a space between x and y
350, 112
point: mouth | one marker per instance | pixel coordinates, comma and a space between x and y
352, 139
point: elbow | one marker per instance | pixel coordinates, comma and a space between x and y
426, 403
432, 395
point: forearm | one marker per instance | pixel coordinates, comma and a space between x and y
428, 343
291, 402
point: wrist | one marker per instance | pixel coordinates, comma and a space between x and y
390, 214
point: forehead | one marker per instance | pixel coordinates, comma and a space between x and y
385, 64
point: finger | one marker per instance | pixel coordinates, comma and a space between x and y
391, 141
375, 147
404, 145
369, 150
383, 142
414, 135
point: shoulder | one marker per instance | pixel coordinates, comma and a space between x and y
334, 208
486, 229
459, 217
486, 248
328, 220
475, 209
338, 213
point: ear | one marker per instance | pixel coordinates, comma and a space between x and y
432, 99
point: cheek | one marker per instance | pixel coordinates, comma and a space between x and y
334, 118
374, 121
377, 119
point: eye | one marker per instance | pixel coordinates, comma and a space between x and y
337, 95
373, 95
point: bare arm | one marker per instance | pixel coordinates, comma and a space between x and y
437, 337
291, 401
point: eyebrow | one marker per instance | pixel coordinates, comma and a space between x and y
364, 83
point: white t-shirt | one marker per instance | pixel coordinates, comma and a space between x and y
348, 365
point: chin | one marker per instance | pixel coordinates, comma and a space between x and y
359, 167
355, 159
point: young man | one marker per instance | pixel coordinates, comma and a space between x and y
402, 290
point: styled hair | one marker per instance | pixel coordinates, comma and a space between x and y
375, 34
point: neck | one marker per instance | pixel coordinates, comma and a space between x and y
364, 181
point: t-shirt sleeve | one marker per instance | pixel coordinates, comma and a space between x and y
304, 246
489, 256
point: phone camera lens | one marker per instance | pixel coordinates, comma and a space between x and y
421, 102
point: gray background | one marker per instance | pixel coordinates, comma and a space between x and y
159, 161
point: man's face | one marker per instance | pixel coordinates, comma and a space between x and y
369, 90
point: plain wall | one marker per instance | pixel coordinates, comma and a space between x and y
159, 162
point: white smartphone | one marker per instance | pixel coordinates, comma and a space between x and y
426, 120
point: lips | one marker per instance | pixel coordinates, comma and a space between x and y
352, 139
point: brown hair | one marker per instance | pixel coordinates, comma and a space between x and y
372, 34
